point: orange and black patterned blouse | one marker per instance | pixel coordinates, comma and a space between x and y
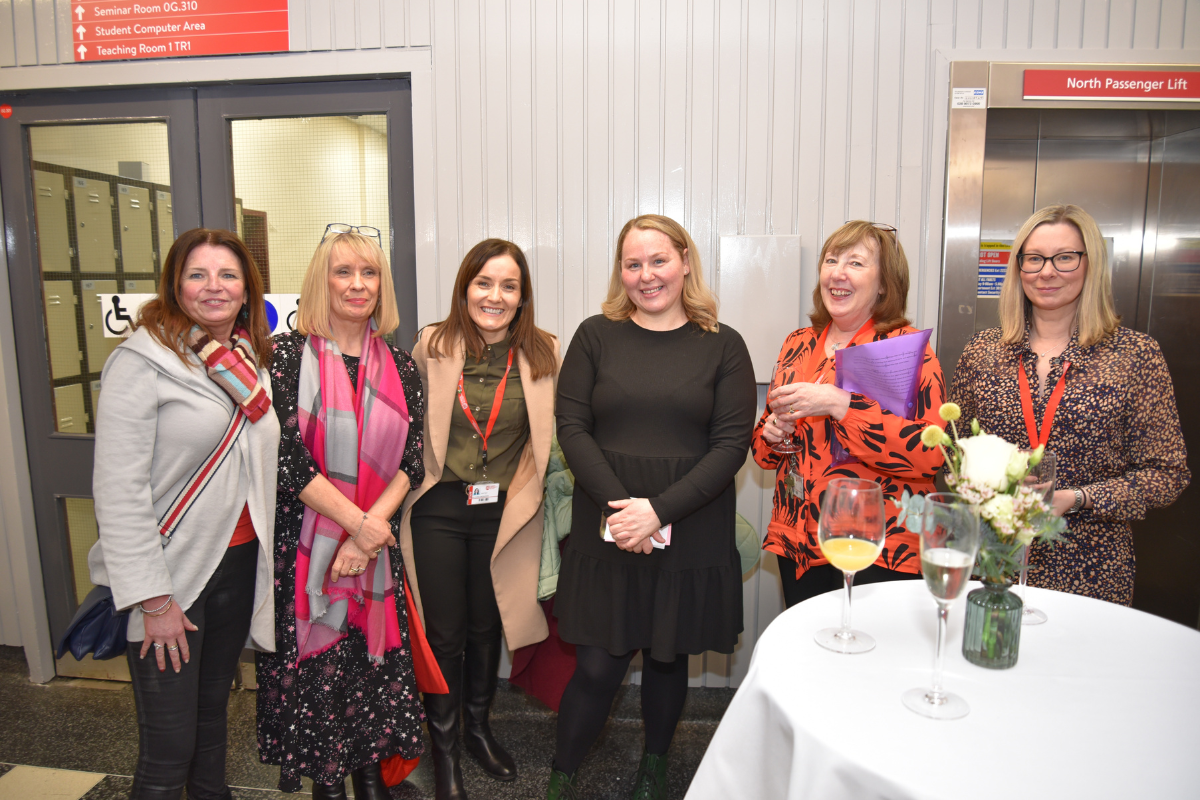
1116, 433
888, 449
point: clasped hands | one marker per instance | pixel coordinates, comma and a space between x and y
633, 525
356, 553
795, 401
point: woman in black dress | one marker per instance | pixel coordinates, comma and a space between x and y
338, 695
656, 404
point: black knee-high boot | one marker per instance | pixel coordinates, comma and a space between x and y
442, 713
481, 664
368, 783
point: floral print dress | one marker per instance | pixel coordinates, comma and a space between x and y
886, 448
1116, 433
335, 711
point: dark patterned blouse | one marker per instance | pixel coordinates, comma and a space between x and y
1116, 433
335, 711
888, 450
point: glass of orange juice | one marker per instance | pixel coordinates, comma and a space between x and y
851, 535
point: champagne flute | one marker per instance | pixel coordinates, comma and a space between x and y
782, 376
1040, 477
949, 544
851, 535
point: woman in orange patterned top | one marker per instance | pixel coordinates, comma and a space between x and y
860, 298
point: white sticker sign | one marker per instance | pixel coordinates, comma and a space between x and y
119, 310
969, 98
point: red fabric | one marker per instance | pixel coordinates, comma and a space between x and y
429, 681
544, 669
244, 532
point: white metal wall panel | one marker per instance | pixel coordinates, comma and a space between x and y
1191, 25
26, 32
370, 24
1145, 25
393, 23
1120, 23
8, 45
420, 29
65, 32
319, 17
1070, 24
47, 41
1170, 24
297, 25
1095, 24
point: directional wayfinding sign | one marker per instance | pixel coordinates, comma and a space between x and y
107, 30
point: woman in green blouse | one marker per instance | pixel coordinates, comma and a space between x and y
472, 534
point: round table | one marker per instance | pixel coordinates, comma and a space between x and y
1104, 701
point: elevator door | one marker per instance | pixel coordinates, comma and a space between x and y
1138, 174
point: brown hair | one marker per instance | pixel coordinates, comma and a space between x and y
699, 303
169, 324
1096, 313
524, 337
889, 309
312, 312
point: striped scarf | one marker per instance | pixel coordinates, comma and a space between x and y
234, 369
357, 436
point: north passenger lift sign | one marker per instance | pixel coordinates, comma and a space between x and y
107, 30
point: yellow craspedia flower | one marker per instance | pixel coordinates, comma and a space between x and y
950, 412
931, 437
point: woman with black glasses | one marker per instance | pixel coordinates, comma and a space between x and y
1060, 371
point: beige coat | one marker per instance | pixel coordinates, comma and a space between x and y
517, 557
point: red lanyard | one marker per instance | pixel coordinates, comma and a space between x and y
818, 352
1051, 405
462, 401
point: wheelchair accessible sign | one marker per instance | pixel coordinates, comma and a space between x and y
120, 310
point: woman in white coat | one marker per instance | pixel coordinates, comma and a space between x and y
189, 383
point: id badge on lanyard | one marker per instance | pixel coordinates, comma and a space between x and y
1037, 438
484, 491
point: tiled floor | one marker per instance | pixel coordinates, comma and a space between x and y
77, 740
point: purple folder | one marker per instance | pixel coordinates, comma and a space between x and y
887, 371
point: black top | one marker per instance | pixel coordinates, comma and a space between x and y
665, 415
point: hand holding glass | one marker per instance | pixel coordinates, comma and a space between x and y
1040, 477
782, 376
949, 544
851, 535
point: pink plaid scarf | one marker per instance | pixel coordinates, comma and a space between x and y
357, 437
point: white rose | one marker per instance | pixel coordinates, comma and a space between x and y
985, 460
999, 510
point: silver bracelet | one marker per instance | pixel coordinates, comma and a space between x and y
360, 524
160, 610
1078, 504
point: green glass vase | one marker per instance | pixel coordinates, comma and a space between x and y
992, 637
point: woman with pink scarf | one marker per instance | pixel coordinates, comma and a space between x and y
339, 695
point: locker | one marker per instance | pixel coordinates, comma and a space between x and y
93, 225
69, 414
62, 333
82, 532
141, 286
95, 396
98, 347
166, 226
50, 208
137, 242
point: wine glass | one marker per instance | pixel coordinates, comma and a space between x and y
782, 376
851, 534
1040, 477
949, 544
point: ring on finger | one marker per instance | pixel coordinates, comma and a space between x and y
158, 645
173, 647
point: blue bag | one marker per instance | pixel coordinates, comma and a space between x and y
97, 628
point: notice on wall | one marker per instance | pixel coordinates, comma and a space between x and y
969, 98
109, 30
118, 311
1111, 84
993, 262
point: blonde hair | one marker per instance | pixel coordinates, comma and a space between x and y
888, 311
1096, 314
312, 312
699, 303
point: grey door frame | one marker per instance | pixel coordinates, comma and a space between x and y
218, 105
60, 465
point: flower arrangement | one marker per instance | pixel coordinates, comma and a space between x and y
990, 473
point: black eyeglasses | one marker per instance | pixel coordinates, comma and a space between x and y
338, 228
1066, 261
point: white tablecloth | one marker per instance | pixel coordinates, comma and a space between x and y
1104, 702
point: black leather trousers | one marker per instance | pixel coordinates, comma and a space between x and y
182, 717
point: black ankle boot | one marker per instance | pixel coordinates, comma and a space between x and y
368, 783
480, 665
442, 712
323, 791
